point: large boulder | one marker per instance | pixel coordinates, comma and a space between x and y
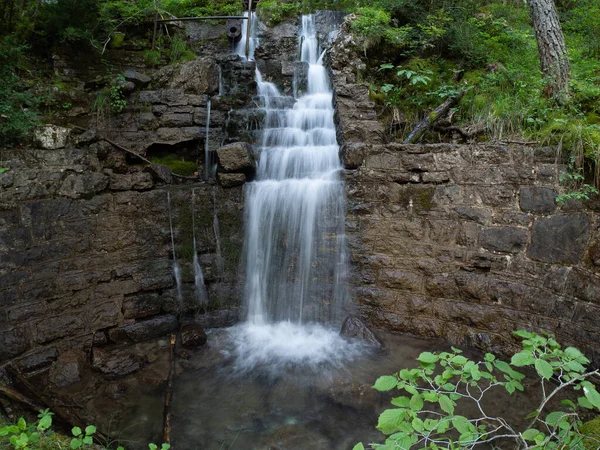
200, 76
236, 157
355, 328
51, 137
67, 368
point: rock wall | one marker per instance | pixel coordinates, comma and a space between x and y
467, 243
86, 250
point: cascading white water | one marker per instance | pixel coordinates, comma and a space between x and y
176, 268
200, 287
240, 47
295, 260
207, 157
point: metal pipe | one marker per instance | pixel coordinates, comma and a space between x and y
183, 19
155, 27
248, 28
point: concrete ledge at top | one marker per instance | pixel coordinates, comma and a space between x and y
51, 137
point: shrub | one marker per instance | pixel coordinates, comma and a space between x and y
426, 416
272, 12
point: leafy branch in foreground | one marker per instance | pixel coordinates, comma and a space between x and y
426, 417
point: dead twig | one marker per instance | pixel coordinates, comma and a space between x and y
169, 394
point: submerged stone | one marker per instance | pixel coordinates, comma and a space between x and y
355, 328
193, 335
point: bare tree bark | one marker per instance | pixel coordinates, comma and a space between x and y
554, 58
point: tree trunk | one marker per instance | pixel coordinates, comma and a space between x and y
552, 49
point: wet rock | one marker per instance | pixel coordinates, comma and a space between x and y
192, 335
231, 179
116, 364
83, 185
236, 157
160, 173
559, 239
51, 137
200, 76
143, 305
537, 199
503, 239
143, 330
355, 328
67, 368
38, 360
115, 391
218, 319
133, 181
139, 79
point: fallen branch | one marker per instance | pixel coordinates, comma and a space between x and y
143, 158
169, 394
63, 414
466, 133
18, 397
433, 118
520, 142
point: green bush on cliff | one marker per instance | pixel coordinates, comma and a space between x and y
426, 414
176, 164
272, 12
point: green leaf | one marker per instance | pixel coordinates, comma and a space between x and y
401, 402
575, 366
428, 357
462, 425
88, 440
76, 431
75, 443
446, 404
430, 396
592, 395
22, 424
530, 434
543, 368
152, 446
416, 402
358, 446
459, 360
524, 358
4, 169
489, 357
45, 423
390, 420
585, 403
418, 425
553, 418
90, 429
522, 333
385, 383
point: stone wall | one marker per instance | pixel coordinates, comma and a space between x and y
85, 249
467, 243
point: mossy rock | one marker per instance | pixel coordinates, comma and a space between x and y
176, 164
591, 430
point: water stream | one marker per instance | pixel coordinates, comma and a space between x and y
200, 288
176, 268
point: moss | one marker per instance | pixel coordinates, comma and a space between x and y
425, 199
591, 429
176, 164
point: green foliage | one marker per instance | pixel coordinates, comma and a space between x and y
425, 414
111, 99
272, 12
176, 164
83, 439
24, 436
152, 57
179, 51
17, 113
577, 188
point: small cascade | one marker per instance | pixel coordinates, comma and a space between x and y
221, 85
176, 268
217, 231
200, 287
207, 155
240, 47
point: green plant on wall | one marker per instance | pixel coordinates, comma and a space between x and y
425, 413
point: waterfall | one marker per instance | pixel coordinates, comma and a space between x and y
207, 158
176, 268
294, 243
240, 47
201, 294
